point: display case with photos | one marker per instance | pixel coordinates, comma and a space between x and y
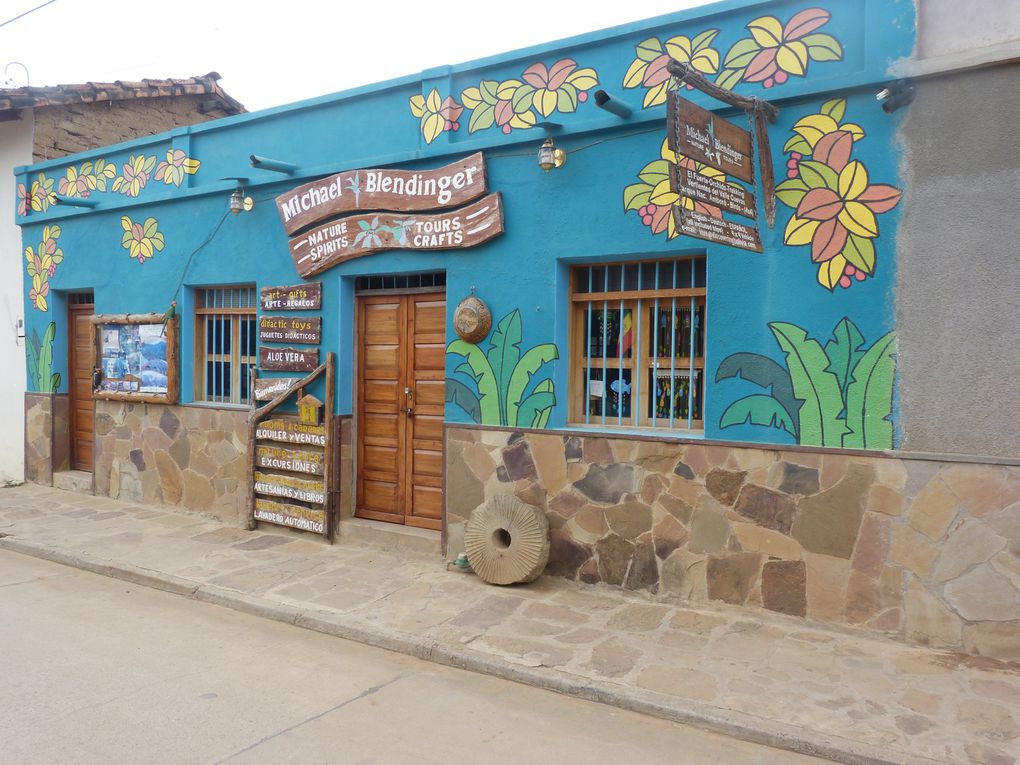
136, 358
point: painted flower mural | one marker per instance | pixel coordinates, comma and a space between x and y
41, 263
835, 203
648, 69
840, 395
82, 180
775, 51
141, 240
137, 172
176, 165
38, 198
653, 198
437, 115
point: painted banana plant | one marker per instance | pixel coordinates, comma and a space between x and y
505, 392
840, 395
41, 377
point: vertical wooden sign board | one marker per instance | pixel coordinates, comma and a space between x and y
291, 461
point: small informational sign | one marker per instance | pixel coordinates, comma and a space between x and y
288, 359
700, 135
382, 189
303, 489
717, 230
291, 432
299, 297
286, 514
332, 243
268, 388
292, 460
733, 197
290, 329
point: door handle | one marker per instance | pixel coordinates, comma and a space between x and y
408, 410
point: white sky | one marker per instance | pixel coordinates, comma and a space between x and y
273, 52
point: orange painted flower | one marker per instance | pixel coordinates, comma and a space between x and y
176, 165
559, 87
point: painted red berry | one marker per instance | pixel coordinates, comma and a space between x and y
456, 126
768, 83
796, 155
792, 173
582, 96
792, 164
448, 125
781, 77
845, 281
651, 209
860, 276
507, 129
646, 219
849, 270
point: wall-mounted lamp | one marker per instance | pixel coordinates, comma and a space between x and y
276, 165
74, 201
549, 156
896, 95
239, 202
614, 106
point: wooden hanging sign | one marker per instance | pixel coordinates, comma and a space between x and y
700, 135
328, 245
288, 359
286, 514
717, 230
268, 388
291, 432
299, 297
385, 189
688, 182
293, 460
303, 489
290, 329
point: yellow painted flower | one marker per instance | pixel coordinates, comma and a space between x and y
141, 240
176, 165
648, 69
135, 173
42, 194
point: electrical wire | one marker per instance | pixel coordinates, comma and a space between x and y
23, 15
194, 252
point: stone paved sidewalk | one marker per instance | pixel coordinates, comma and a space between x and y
764, 677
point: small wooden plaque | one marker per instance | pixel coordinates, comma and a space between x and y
298, 297
291, 460
289, 487
291, 432
290, 329
286, 514
690, 183
268, 388
717, 230
288, 359
706, 138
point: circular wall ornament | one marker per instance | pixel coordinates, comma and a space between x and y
472, 320
507, 541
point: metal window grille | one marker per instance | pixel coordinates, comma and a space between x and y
225, 343
81, 298
400, 282
639, 332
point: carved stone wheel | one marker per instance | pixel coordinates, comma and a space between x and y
507, 541
472, 319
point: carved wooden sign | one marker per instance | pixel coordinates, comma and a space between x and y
290, 329
717, 230
729, 196
299, 297
303, 489
293, 460
288, 359
295, 516
268, 388
332, 243
386, 189
291, 432
700, 135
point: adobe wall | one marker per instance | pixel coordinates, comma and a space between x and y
924, 549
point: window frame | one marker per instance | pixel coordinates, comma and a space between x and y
642, 364
239, 364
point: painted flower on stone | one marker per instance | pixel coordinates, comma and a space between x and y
141, 240
648, 69
176, 165
135, 173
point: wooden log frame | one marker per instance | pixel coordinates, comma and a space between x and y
259, 414
759, 111
172, 356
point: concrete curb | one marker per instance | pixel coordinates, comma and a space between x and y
727, 722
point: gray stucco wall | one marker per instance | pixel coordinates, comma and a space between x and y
958, 306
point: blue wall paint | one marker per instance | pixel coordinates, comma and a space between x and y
552, 220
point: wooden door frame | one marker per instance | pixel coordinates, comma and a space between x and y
406, 357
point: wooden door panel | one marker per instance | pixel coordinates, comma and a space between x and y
430, 395
79, 366
385, 392
381, 459
428, 506
382, 362
429, 356
380, 497
428, 462
428, 428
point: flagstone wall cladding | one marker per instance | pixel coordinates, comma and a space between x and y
926, 550
345, 427
188, 456
39, 438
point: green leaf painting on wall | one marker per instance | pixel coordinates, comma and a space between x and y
506, 386
839, 395
41, 377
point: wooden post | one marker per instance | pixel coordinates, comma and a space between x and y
253, 374
332, 443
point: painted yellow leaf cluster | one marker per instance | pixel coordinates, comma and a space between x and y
648, 69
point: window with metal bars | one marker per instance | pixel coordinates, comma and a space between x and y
638, 344
225, 343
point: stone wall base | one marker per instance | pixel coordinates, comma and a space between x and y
925, 550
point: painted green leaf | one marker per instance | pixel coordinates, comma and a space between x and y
636, 196
649, 50
523, 98
521, 378
655, 172
740, 55
476, 365
504, 353
461, 395
488, 89
791, 191
54, 382
765, 373
860, 253
823, 47
844, 351
869, 397
535, 409
758, 409
482, 118
818, 422
566, 98
798, 144
704, 39
33, 360
836, 108
730, 78
45, 368
818, 175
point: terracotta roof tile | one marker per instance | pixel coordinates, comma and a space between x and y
91, 92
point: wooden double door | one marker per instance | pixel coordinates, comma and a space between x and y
401, 373
81, 357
